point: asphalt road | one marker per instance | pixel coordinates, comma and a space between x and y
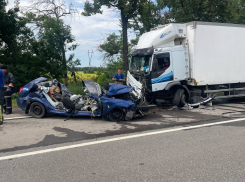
214, 153
28, 133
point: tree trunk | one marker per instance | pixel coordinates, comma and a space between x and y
125, 41
64, 64
11, 48
74, 75
62, 43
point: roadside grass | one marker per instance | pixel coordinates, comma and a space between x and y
14, 100
14, 103
76, 88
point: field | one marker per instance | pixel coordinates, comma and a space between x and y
80, 75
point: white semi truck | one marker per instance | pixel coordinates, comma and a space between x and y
178, 62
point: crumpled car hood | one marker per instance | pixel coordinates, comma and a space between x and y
117, 89
91, 87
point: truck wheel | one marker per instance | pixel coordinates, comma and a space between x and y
37, 110
116, 114
179, 98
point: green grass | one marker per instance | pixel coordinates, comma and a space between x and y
76, 88
14, 103
14, 100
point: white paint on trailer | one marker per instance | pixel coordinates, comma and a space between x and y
216, 52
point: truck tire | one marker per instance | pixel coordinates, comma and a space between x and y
37, 110
179, 98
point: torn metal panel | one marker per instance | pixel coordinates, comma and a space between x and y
117, 89
91, 87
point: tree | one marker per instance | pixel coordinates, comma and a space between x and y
11, 27
30, 55
182, 11
112, 49
72, 66
149, 15
113, 46
105, 75
16, 48
127, 10
52, 38
239, 9
56, 9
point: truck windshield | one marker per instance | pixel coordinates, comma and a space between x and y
140, 64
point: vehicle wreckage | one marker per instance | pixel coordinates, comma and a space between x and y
114, 102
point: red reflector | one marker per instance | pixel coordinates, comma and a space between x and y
21, 88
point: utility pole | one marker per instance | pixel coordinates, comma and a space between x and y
90, 57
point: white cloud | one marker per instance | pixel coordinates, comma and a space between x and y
12, 3
89, 31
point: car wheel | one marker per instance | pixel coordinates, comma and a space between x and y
179, 98
116, 114
37, 110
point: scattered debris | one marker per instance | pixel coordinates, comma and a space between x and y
210, 108
202, 107
174, 107
187, 107
115, 102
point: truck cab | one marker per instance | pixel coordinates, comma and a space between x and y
157, 64
158, 72
189, 62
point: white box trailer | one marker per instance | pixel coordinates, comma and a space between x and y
216, 52
179, 61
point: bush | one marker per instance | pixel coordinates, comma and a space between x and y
14, 100
76, 88
103, 79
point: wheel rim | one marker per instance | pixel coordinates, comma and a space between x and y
37, 110
117, 114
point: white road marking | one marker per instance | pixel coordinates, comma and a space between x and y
115, 139
22, 117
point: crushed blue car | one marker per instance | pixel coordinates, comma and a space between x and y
114, 102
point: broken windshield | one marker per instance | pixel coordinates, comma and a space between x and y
140, 63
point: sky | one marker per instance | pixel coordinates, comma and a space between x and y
89, 32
